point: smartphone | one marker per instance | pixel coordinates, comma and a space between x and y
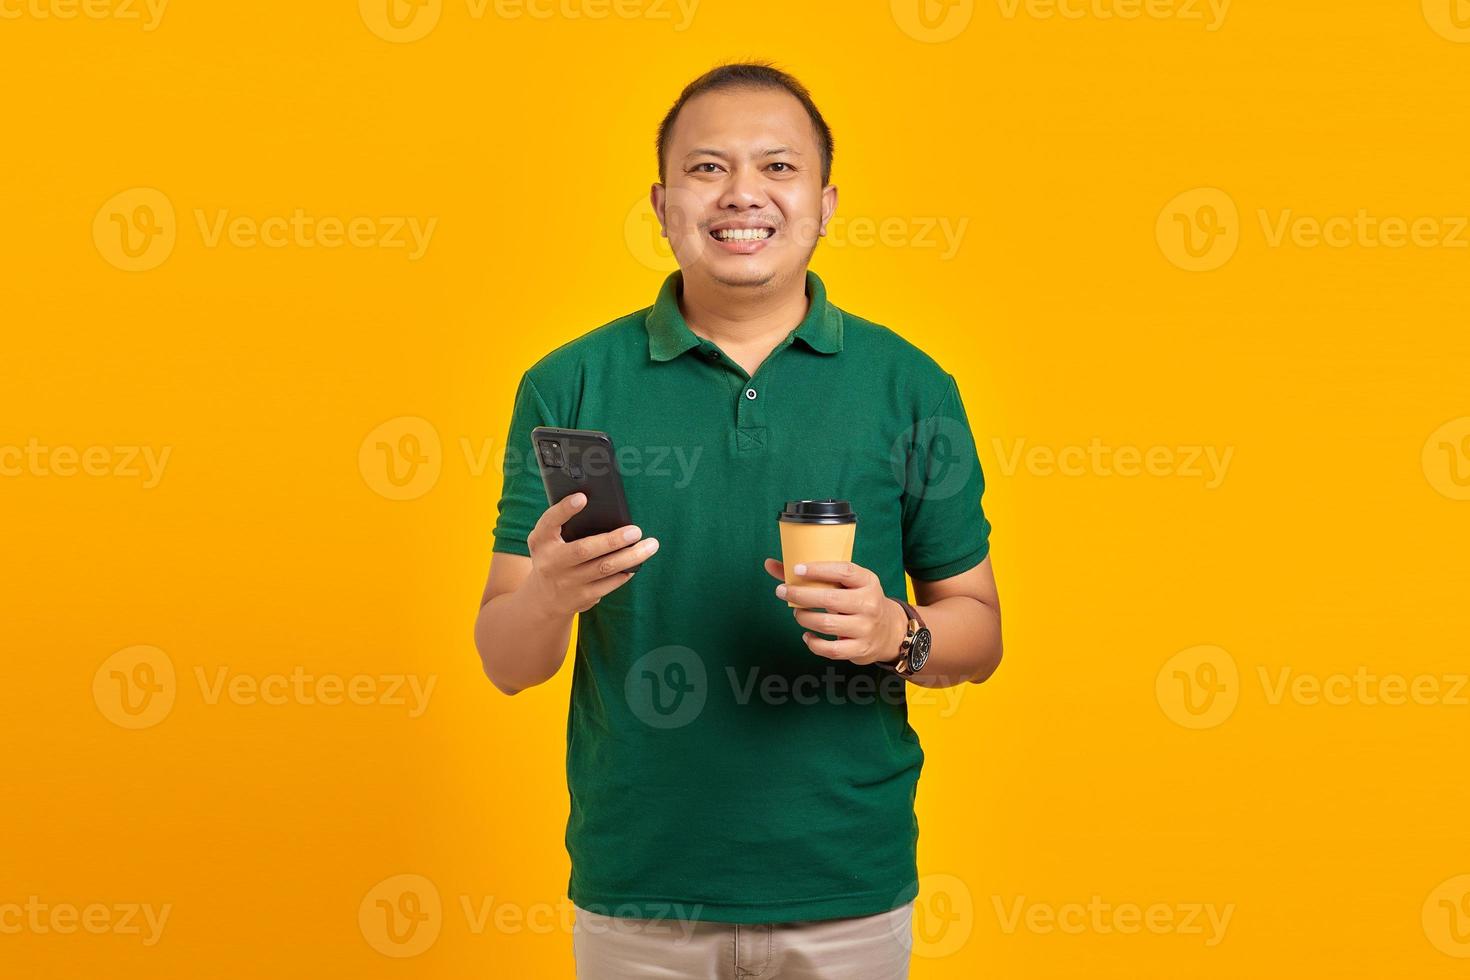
583, 460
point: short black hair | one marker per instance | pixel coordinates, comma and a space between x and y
749, 74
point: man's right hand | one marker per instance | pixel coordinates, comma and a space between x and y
572, 576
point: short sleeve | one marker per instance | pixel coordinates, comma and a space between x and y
522, 494
945, 531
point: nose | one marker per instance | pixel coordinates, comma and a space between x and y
744, 189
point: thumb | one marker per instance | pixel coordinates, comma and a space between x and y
776, 569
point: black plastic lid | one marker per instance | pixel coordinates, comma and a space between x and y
827, 511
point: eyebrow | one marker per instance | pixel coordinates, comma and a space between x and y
710, 151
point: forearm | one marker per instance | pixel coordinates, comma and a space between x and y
966, 642
521, 642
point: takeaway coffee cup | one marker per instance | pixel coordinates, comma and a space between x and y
815, 530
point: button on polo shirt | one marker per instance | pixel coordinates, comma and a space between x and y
717, 768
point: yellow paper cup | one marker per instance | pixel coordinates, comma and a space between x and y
815, 530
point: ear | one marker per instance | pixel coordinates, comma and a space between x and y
829, 205
656, 197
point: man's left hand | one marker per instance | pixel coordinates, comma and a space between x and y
868, 625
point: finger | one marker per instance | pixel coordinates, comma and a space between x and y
551, 520
834, 624
821, 597
602, 587
833, 649
616, 562
844, 573
594, 546
776, 569
545, 538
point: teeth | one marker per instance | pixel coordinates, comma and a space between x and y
742, 234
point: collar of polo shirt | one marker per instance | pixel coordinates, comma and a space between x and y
669, 336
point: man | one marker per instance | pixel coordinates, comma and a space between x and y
742, 772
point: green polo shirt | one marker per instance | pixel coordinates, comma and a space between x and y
717, 768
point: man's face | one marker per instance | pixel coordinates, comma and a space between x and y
743, 202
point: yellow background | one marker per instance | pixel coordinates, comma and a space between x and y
1335, 541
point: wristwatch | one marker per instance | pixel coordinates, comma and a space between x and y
913, 651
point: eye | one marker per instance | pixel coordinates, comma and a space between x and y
695, 168
780, 163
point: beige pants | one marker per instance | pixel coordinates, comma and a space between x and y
870, 947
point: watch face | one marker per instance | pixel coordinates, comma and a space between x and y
919, 652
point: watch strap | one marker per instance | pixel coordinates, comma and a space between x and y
899, 665
913, 613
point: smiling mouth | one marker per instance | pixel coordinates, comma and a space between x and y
742, 234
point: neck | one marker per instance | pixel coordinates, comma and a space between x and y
741, 316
